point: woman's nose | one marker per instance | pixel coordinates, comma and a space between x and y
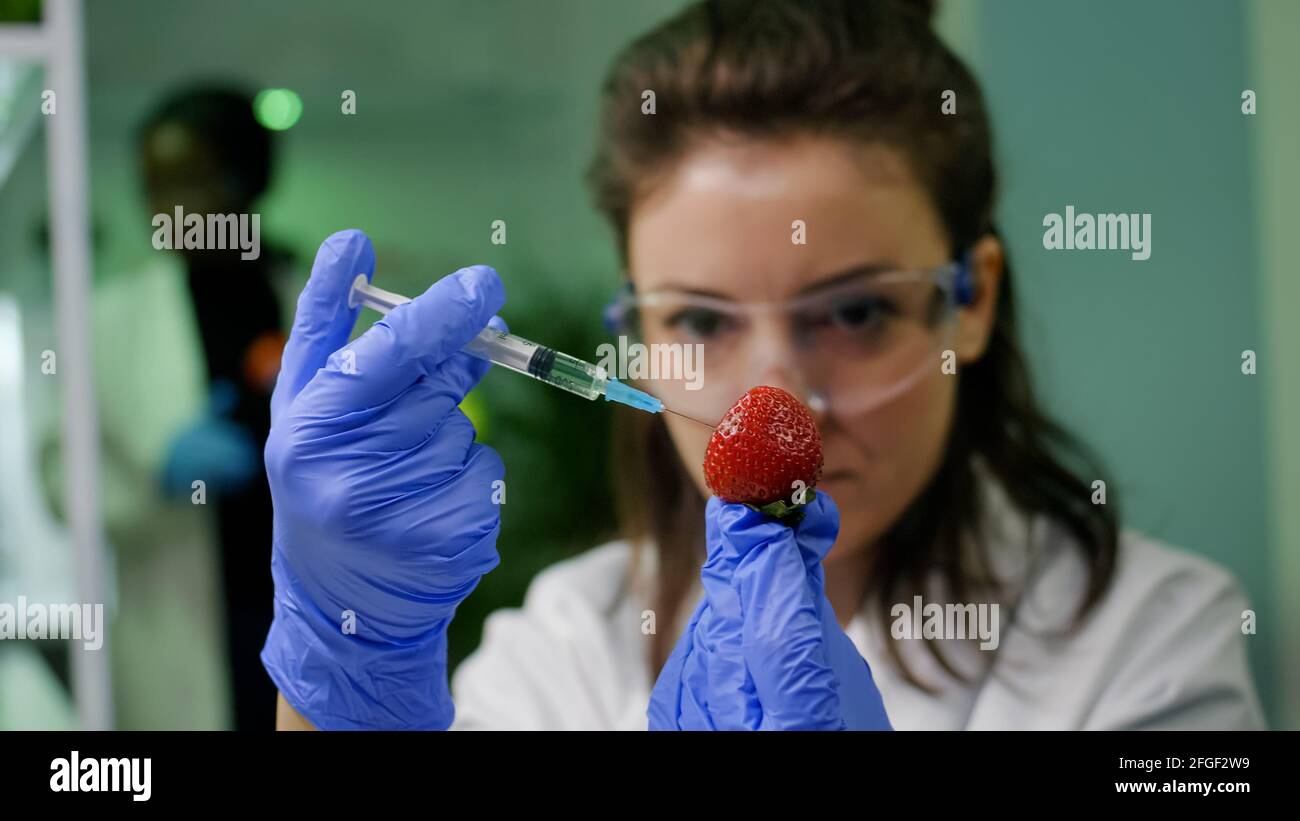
796, 382
774, 362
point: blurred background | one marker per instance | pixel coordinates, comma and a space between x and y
470, 112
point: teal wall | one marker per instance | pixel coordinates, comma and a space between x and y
1135, 107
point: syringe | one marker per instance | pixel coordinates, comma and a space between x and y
518, 354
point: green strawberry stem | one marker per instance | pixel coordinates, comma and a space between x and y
783, 511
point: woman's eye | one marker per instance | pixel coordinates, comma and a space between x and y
701, 323
858, 313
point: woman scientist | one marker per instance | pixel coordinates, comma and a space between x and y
939, 488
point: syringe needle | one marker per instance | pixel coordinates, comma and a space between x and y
690, 418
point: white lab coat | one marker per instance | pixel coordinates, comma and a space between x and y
1162, 650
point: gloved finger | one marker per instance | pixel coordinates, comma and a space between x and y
323, 321
441, 458
782, 640
672, 705
817, 530
698, 700
412, 416
405, 422
815, 533
462, 372
665, 697
723, 631
433, 567
861, 705
413, 341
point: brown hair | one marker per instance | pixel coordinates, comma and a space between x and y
872, 71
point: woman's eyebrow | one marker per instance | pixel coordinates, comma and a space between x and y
671, 288
863, 271
856, 272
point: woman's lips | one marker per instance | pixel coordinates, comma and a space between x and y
836, 478
838, 484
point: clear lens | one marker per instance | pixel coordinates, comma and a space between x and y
846, 350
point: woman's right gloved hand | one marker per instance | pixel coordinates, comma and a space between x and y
384, 512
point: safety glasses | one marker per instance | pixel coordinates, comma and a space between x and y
847, 347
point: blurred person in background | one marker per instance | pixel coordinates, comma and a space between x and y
204, 151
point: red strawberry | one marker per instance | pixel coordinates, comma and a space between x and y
766, 443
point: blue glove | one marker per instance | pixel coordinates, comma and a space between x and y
384, 519
214, 449
763, 649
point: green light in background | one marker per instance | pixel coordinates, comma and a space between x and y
476, 409
277, 108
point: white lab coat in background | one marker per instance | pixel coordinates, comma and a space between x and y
1162, 650
166, 648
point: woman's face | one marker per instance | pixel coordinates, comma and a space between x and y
722, 222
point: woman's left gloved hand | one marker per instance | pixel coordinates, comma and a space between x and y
763, 650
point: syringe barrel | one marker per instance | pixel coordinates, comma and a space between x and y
540, 362
513, 352
510, 351
373, 297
